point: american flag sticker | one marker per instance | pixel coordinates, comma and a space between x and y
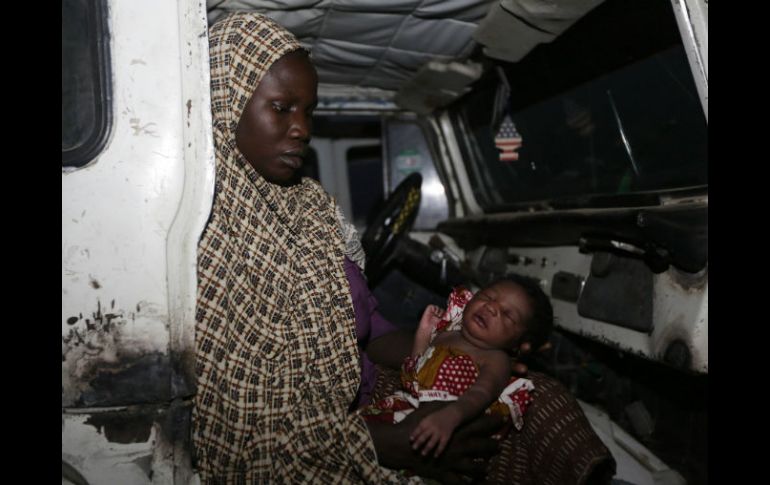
508, 140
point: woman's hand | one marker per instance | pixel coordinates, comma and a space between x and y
520, 368
466, 454
391, 349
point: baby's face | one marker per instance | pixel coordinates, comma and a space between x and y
495, 317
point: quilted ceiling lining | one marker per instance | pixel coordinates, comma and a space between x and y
372, 44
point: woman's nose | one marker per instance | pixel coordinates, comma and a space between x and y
300, 127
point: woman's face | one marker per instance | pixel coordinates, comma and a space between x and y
274, 130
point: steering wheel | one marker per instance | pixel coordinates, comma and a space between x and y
392, 221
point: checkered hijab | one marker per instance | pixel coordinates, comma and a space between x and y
276, 354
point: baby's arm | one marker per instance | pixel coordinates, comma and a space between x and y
435, 430
430, 317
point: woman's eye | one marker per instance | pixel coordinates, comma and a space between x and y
279, 108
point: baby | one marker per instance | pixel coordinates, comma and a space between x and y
464, 355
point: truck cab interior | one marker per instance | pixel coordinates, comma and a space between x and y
466, 140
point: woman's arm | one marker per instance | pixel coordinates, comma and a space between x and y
466, 454
391, 349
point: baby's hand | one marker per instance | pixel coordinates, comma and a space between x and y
434, 431
431, 316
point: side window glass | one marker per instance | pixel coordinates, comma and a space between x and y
365, 176
86, 98
407, 152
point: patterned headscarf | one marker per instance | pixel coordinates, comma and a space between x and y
276, 354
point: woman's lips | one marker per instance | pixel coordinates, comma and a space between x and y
293, 160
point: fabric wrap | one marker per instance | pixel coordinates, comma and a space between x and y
276, 354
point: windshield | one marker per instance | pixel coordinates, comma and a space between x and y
634, 129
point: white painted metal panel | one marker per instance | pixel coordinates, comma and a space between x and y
692, 16
118, 212
131, 220
98, 460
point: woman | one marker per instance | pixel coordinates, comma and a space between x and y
277, 355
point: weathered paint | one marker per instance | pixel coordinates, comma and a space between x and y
197, 196
132, 444
112, 356
123, 426
130, 223
87, 449
683, 313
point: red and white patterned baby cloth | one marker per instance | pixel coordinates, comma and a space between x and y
446, 373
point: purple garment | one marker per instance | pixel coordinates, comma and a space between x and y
369, 325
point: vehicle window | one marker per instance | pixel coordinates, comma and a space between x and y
408, 151
85, 113
365, 177
636, 128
